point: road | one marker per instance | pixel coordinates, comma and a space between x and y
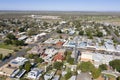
19, 53
23, 51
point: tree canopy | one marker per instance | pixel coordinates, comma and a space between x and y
11, 36
115, 64
103, 67
68, 75
58, 65
27, 66
86, 66
89, 67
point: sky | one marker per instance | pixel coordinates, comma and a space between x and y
61, 5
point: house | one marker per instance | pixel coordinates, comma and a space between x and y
24, 37
49, 75
39, 36
118, 48
56, 77
86, 56
109, 45
17, 62
29, 40
98, 58
60, 55
54, 41
63, 73
35, 73
39, 49
11, 69
49, 54
20, 73
59, 44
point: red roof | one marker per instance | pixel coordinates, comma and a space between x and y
58, 57
59, 44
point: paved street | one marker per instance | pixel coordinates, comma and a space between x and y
23, 51
19, 53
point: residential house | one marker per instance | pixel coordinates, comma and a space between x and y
35, 73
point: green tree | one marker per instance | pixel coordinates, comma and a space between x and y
1, 56
68, 75
31, 32
118, 78
103, 67
99, 34
86, 66
18, 43
31, 56
95, 73
59, 31
27, 66
70, 60
11, 36
115, 64
81, 33
8, 41
21, 29
39, 60
58, 65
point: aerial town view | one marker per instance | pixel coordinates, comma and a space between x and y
59, 40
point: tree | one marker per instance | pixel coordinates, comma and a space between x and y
81, 33
89, 67
115, 64
70, 60
86, 66
1, 56
21, 67
39, 60
31, 56
11, 36
21, 29
68, 53
68, 75
99, 34
59, 31
27, 66
18, 43
31, 32
118, 78
8, 41
103, 67
95, 73
58, 65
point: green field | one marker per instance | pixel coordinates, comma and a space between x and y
10, 47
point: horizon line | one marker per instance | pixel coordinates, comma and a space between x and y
64, 10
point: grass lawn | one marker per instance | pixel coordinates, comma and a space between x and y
11, 47
5, 51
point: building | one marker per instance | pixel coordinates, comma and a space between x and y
39, 49
39, 37
17, 62
60, 55
49, 53
97, 58
86, 56
56, 77
35, 73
